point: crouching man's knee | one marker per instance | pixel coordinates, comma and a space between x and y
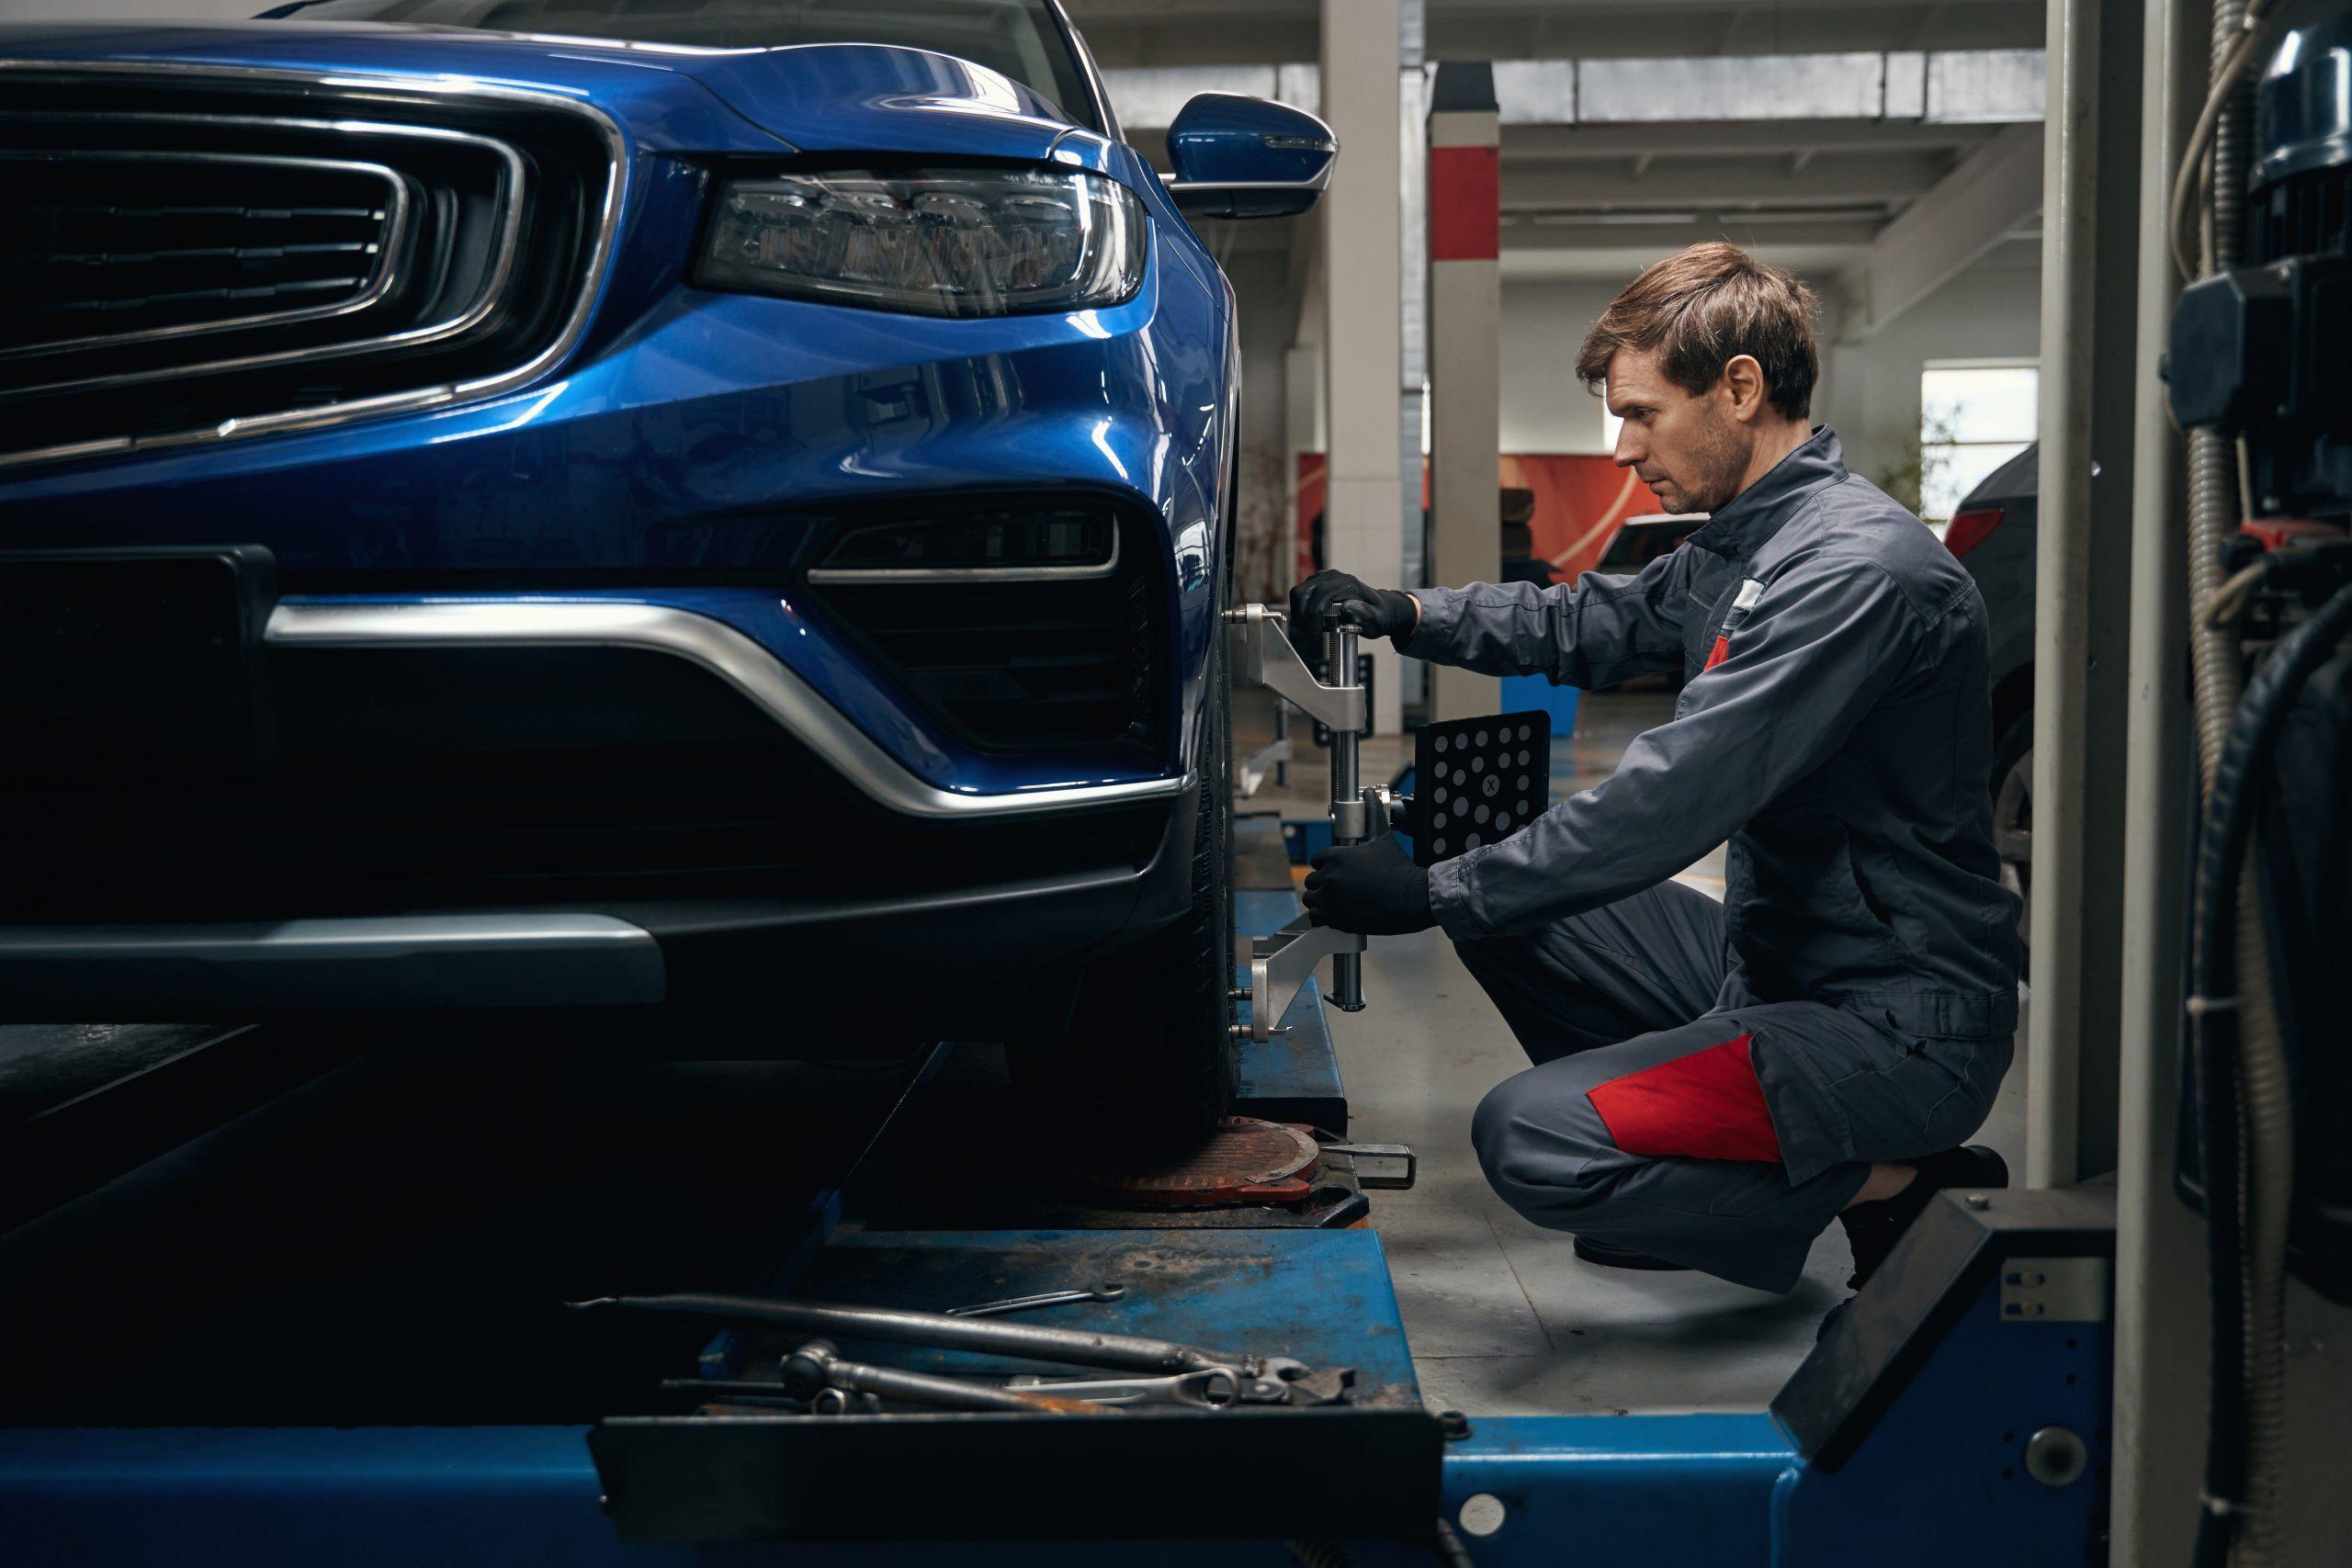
1534, 1158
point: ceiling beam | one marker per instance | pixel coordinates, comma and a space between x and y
1652, 235
1204, 33
1975, 85
1654, 28
1992, 192
1969, 86
1567, 142
1735, 181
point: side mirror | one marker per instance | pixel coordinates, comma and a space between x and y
1239, 157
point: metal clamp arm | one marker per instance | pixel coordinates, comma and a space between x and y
1268, 659
1252, 770
1279, 965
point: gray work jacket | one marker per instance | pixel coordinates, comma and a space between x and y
1835, 728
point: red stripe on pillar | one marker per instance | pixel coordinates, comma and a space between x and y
1466, 203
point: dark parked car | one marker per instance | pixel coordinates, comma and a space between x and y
1641, 541
560, 503
1993, 534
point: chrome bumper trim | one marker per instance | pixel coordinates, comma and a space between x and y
715, 647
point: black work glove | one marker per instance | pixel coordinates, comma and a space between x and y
1382, 612
1371, 889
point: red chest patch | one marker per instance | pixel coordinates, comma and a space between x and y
1720, 651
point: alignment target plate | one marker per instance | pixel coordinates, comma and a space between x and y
1477, 780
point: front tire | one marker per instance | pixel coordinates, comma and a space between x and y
1149, 1061
2012, 786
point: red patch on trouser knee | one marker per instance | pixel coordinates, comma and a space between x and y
1706, 1105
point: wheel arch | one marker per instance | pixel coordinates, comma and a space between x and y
2012, 698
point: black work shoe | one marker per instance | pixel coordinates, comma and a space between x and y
1609, 1255
1873, 1229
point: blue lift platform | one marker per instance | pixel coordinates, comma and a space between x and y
1956, 1414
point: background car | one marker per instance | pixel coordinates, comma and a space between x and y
1641, 541
490, 522
1992, 533
1637, 542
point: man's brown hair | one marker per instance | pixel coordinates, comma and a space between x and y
1702, 307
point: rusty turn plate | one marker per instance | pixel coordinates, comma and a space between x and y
1242, 1160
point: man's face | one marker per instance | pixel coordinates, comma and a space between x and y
1688, 450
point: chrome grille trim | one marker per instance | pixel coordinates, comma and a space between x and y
870, 575
396, 221
396, 92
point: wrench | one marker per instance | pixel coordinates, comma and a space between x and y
816, 1371
1211, 1390
1126, 1352
1044, 1298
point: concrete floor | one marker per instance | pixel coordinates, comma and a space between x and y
1503, 1319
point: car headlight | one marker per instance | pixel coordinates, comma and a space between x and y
941, 241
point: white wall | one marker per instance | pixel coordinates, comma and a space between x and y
1993, 310
1545, 408
1268, 320
1869, 391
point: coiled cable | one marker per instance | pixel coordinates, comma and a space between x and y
2246, 1117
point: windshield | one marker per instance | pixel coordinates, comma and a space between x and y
1014, 37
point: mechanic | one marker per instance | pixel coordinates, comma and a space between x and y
1714, 1082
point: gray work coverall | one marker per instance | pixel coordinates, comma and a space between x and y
1711, 1082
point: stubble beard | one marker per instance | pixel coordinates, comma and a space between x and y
1719, 466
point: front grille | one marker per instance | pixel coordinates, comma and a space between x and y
103, 246
206, 259
1028, 666
420, 778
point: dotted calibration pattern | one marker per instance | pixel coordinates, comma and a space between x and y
1475, 780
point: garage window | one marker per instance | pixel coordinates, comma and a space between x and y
1974, 415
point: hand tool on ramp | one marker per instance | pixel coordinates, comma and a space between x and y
1257, 1378
1043, 1299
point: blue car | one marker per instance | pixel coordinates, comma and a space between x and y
702, 504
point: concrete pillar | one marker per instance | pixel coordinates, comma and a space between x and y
1362, 346
1413, 321
2160, 1324
2090, 253
1464, 357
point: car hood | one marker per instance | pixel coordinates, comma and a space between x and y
846, 97
810, 97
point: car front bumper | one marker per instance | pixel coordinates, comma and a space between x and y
998, 954
570, 802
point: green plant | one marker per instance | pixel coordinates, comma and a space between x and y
1924, 458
